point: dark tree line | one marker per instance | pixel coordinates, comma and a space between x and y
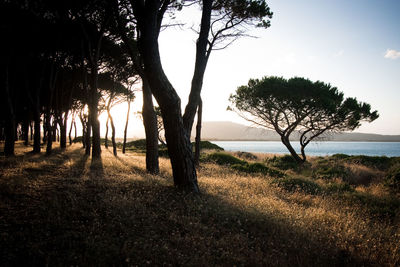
75, 57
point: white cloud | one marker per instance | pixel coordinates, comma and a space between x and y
339, 53
392, 54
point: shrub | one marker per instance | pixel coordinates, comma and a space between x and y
338, 188
257, 168
340, 156
382, 163
392, 179
208, 145
224, 159
246, 155
330, 170
299, 184
284, 163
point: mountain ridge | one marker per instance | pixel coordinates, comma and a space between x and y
231, 131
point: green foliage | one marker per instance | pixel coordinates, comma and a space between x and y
330, 170
340, 156
371, 161
338, 188
246, 155
381, 207
392, 179
208, 145
293, 184
299, 104
285, 162
258, 168
139, 144
221, 158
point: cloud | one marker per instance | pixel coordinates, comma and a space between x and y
339, 53
392, 54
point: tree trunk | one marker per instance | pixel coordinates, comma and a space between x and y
63, 130
150, 127
25, 131
202, 55
83, 122
76, 130
114, 144
70, 130
303, 154
10, 127
198, 133
49, 130
106, 136
36, 136
93, 113
286, 142
178, 140
126, 127
88, 142
31, 127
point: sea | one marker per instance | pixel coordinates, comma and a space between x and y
389, 149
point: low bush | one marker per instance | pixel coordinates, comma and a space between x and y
285, 162
392, 179
299, 184
329, 170
338, 188
221, 158
208, 145
258, 168
246, 155
381, 163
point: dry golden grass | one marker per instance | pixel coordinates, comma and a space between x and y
69, 210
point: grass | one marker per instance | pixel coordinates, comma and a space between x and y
66, 209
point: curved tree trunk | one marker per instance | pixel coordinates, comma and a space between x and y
114, 144
36, 134
70, 130
178, 141
10, 127
126, 127
49, 130
106, 135
150, 127
198, 133
286, 142
63, 130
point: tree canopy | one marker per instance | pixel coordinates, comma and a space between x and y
298, 104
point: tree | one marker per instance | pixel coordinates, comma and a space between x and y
147, 18
298, 104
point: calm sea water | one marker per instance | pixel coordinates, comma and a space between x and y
390, 149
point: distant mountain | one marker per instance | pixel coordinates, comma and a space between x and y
225, 130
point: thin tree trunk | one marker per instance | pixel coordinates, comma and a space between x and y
83, 122
198, 133
36, 136
93, 114
106, 135
70, 130
286, 142
63, 130
76, 130
87, 137
25, 131
31, 128
10, 127
178, 140
114, 144
150, 127
49, 130
126, 126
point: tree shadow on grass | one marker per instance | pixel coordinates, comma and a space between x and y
140, 222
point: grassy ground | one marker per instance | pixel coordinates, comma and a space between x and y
67, 210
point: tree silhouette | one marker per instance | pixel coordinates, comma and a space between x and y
311, 108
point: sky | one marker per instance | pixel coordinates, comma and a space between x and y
353, 45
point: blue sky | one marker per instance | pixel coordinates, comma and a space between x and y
339, 42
